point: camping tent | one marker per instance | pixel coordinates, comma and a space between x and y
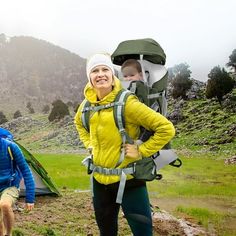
43, 183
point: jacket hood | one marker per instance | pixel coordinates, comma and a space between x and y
90, 93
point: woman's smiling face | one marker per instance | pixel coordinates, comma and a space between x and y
101, 77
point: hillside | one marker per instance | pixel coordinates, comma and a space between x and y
36, 71
201, 125
204, 129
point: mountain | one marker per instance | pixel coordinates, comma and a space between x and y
36, 71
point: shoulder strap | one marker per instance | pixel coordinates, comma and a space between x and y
12, 167
86, 115
10, 153
132, 87
118, 111
119, 117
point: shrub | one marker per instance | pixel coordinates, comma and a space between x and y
46, 109
3, 118
59, 111
30, 108
17, 114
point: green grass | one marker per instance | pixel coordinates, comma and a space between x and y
198, 177
204, 216
204, 186
213, 221
66, 170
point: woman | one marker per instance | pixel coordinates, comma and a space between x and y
104, 141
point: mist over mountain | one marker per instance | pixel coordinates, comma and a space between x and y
36, 71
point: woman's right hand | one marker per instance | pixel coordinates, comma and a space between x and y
131, 150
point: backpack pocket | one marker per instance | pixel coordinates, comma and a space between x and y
144, 169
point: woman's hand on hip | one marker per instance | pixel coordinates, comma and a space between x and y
131, 150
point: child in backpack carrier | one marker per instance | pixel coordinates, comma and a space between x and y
132, 71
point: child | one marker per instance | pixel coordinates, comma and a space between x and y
132, 71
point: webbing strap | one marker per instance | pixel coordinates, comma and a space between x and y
85, 117
10, 153
91, 184
164, 104
12, 168
108, 171
155, 95
100, 107
121, 188
133, 87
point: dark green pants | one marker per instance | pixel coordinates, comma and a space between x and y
135, 205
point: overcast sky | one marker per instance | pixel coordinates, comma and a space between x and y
201, 33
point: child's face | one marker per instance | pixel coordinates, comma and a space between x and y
131, 74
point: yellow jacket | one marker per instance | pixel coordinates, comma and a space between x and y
105, 139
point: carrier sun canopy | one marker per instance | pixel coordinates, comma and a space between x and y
147, 47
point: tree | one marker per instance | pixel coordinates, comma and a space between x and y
180, 80
181, 85
219, 84
76, 106
3, 118
232, 60
59, 110
30, 108
17, 114
69, 104
46, 109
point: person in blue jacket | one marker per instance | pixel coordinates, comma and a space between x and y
13, 167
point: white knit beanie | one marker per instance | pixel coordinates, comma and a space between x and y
99, 59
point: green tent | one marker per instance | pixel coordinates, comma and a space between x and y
43, 183
132, 49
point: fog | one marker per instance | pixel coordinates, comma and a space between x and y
200, 33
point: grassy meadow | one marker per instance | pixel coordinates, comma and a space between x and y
203, 190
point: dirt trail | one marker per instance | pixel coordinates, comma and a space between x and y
72, 215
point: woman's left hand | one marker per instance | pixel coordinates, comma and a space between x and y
131, 150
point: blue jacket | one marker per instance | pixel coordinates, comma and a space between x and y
11, 172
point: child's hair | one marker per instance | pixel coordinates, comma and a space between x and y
132, 62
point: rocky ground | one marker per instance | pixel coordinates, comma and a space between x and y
72, 215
